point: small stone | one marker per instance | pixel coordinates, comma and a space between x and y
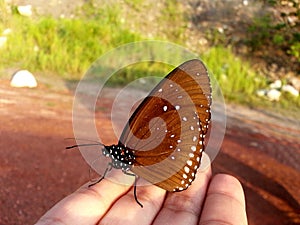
290, 89
220, 30
25, 10
295, 81
36, 48
23, 78
3, 41
203, 41
6, 32
261, 92
273, 95
276, 84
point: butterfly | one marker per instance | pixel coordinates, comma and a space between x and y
163, 140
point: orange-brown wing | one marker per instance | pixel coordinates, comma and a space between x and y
166, 132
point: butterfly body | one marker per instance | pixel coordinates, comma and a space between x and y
121, 157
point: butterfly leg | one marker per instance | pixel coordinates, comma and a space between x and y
109, 167
134, 189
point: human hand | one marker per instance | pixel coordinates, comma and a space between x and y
209, 200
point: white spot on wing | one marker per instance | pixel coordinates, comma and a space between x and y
186, 169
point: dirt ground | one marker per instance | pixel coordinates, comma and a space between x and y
36, 171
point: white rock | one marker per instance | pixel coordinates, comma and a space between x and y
295, 81
261, 92
290, 89
3, 41
220, 30
36, 48
23, 78
273, 95
6, 32
276, 84
25, 10
203, 41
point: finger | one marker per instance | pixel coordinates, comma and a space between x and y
127, 211
185, 207
85, 206
225, 202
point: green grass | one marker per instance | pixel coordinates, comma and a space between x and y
67, 48
239, 83
149, 70
236, 78
62, 46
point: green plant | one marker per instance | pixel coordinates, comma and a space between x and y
283, 32
259, 32
236, 78
63, 46
295, 50
216, 37
172, 15
3, 13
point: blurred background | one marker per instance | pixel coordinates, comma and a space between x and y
252, 47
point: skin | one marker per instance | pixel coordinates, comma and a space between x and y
209, 200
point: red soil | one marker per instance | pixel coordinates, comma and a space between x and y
36, 171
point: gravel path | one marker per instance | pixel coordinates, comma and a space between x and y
36, 171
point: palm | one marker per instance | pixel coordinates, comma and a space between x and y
209, 199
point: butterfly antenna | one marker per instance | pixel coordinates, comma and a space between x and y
80, 145
82, 139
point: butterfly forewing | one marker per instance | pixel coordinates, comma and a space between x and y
166, 132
